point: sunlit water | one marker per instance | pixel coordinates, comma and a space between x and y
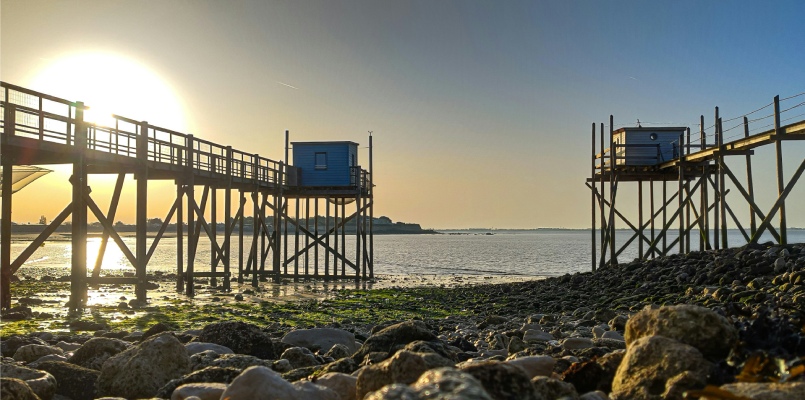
512, 253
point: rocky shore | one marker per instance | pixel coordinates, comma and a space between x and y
722, 324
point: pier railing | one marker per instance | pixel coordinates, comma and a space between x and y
46, 118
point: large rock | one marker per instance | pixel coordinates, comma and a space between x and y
343, 384
17, 389
203, 391
321, 339
299, 357
261, 383
238, 361
534, 365
697, 326
393, 338
764, 391
141, 370
439, 383
241, 337
74, 381
96, 351
208, 375
10, 346
33, 352
501, 380
656, 367
550, 388
41, 382
404, 367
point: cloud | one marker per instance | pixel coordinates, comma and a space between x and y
285, 84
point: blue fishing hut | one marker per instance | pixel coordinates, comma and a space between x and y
326, 164
647, 146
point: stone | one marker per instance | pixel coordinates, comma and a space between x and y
94, 352
652, 366
206, 375
321, 339
74, 381
396, 391
394, 337
764, 391
439, 383
618, 323
536, 335
501, 380
202, 391
198, 347
534, 365
241, 337
516, 345
17, 389
594, 395
404, 367
697, 326
32, 352
550, 388
41, 382
49, 357
68, 346
299, 357
240, 362
142, 370
343, 384
338, 351
613, 335
261, 383
577, 343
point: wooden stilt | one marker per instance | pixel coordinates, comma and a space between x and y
327, 238
778, 147
592, 205
179, 237
191, 225
78, 270
749, 183
9, 121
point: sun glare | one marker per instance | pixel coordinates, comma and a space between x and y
110, 83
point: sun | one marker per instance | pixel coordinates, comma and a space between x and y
112, 84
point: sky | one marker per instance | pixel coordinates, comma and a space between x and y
481, 111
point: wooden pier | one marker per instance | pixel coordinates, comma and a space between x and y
38, 129
696, 206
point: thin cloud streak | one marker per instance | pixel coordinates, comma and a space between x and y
285, 84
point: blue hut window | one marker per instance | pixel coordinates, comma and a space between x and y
321, 161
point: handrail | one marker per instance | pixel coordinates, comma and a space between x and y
164, 145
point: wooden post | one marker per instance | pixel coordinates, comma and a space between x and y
688, 203
278, 205
680, 199
664, 217
651, 195
307, 238
142, 212
296, 242
592, 205
640, 218
316, 233
78, 270
228, 227
179, 237
242, 197
327, 238
717, 199
9, 121
721, 189
778, 145
612, 162
213, 233
601, 205
343, 236
749, 185
255, 218
358, 222
704, 188
335, 239
371, 213
191, 217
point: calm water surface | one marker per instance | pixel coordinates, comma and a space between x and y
521, 253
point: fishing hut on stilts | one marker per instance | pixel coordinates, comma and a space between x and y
39, 129
695, 180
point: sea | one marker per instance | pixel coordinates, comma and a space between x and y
496, 253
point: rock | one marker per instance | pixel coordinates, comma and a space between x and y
396, 391
237, 361
203, 391
338, 351
536, 335
697, 326
41, 383
96, 351
75, 382
343, 384
198, 347
206, 375
501, 380
241, 337
17, 389
261, 383
32, 352
68, 346
10, 346
393, 338
49, 357
492, 320
534, 365
432, 346
613, 335
594, 395
764, 391
321, 339
439, 383
345, 365
300, 373
577, 343
141, 370
404, 367
299, 357
656, 367
516, 345
618, 323
550, 388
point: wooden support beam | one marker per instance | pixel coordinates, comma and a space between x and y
750, 200
9, 121
78, 270
40, 239
778, 205
107, 225
96, 271
162, 229
179, 237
